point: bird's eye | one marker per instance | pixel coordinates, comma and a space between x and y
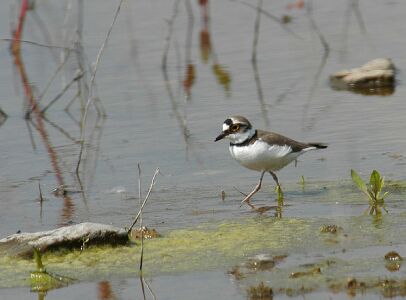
235, 127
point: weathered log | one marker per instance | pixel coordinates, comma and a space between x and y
375, 77
68, 237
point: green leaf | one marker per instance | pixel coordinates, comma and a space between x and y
358, 181
371, 196
375, 182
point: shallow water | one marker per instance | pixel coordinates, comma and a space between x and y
288, 92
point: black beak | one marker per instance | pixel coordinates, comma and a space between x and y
221, 136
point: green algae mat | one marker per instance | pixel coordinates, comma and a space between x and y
330, 249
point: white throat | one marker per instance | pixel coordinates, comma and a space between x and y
241, 137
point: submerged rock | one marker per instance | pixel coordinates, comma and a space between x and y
311, 272
260, 292
330, 228
393, 261
376, 77
393, 256
138, 233
260, 263
69, 237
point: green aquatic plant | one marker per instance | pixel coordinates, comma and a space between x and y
302, 181
279, 192
38, 261
373, 191
41, 280
260, 292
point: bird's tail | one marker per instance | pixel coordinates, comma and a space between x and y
318, 145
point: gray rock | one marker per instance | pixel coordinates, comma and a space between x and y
377, 73
69, 237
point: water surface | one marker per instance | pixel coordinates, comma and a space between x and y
169, 119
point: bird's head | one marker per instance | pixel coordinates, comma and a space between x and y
237, 129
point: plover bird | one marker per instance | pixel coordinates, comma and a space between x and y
261, 150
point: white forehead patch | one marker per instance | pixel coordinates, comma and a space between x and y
225, 127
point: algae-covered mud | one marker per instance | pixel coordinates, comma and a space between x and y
95, 95
292, 255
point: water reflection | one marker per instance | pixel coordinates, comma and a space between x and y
180, 119
177, 91
76, 83
190, 70
374, 91
309, 123
144, 283
352, 8
205, 41
3, 117
207, 51
105, 292
34, 113
282, 21
257, 78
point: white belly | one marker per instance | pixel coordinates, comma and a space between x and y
261, 156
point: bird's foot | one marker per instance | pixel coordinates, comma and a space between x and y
247, 200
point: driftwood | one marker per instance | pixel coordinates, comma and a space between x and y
375, 77
69, 237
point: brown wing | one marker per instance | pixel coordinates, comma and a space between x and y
280, 140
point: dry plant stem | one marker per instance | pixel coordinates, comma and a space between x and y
145, 200
358, 15
270, 16
33, 145
257, 78
285, 93
43, 29
316, 29
139, 186
320, 68
191, 22
142, 287
60, 129
90, 96
142, 249
77, 95
37, 44
188, 46
169, 37
61, 93
181, 120
4, 115
142, 232
83, 88
149, 289
134, 53
244, 194
61, 65
29, 95
41, 199
256, 32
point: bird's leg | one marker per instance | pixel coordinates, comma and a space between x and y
278, 188
256, 189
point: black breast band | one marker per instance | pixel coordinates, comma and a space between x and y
246, 142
